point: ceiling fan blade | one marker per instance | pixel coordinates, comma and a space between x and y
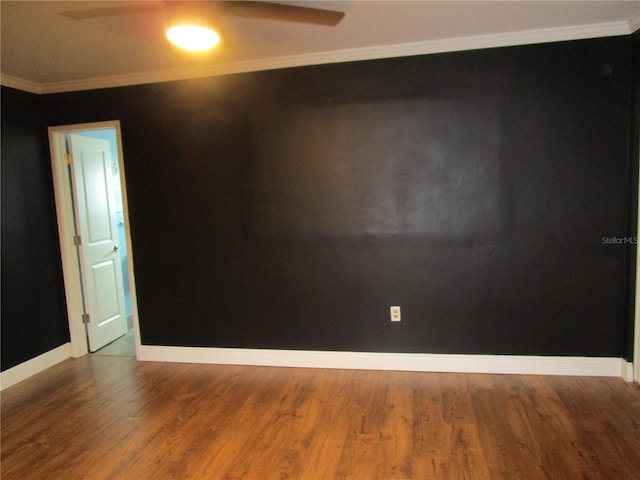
281, 12
113, 10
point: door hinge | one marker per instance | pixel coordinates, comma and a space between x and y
77, 240
69, 158
85, 318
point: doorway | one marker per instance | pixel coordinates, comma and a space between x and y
95, 242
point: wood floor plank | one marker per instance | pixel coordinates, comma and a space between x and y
606, 441
108, 417
396, 430
559, 431
428, 460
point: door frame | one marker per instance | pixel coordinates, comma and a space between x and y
636, 329
66, 232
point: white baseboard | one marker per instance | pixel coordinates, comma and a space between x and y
34, 366
627, 370
414, 362
417, 362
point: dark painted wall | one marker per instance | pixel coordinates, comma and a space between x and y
633, 211
33, 305
291, 208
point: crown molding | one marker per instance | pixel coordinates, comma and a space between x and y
20, 84
475, 42
634, 23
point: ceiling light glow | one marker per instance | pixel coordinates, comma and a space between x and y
194, 38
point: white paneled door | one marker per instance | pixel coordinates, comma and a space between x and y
101, 271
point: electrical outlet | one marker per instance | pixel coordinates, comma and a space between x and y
395, 313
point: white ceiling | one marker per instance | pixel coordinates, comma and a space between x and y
44, 52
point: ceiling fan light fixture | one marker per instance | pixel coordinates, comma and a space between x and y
194, 37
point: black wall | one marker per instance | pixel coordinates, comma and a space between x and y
633, 211
33, 305
291, 208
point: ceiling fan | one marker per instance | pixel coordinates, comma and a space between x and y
204, 15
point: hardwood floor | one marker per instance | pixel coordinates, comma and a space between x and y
102, 417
